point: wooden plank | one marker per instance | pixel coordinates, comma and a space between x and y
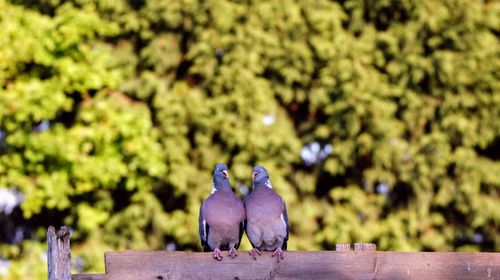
343, 247
162, 265
89, 277
58, 253
365, 247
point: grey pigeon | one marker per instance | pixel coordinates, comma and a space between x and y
267, 221
221, 217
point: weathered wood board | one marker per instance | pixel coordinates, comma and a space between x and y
158, 265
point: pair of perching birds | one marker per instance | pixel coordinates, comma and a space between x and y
262, 215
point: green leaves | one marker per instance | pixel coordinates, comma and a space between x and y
113, 114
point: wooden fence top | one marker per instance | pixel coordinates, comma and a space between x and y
162, 265
362, 263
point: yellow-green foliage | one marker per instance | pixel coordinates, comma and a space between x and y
145, 97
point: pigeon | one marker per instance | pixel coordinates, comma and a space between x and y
266, 222
222, 217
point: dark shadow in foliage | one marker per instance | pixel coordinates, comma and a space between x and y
169, 200
397, 198
492, 151
15, 228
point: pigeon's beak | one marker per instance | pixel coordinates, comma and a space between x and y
225, 173
254, 175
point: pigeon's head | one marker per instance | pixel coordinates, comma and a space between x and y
260, 176
221, 177
221, 170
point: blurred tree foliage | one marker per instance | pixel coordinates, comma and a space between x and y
113, 114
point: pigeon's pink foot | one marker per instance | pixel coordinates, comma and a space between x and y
233, 253
217, 254
254, 252
278, 252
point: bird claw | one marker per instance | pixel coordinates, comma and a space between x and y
254, 252
217, 254
233, 253
278, 252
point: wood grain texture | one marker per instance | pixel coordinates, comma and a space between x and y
162, 265
58, 253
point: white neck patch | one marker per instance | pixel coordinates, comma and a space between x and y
204, 227
213, 188
268, 184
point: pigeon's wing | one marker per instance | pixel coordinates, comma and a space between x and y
245, 225
243, 219
245, 222
204, 229
242, 230
285, 220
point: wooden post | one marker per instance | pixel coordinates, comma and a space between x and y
58, 253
